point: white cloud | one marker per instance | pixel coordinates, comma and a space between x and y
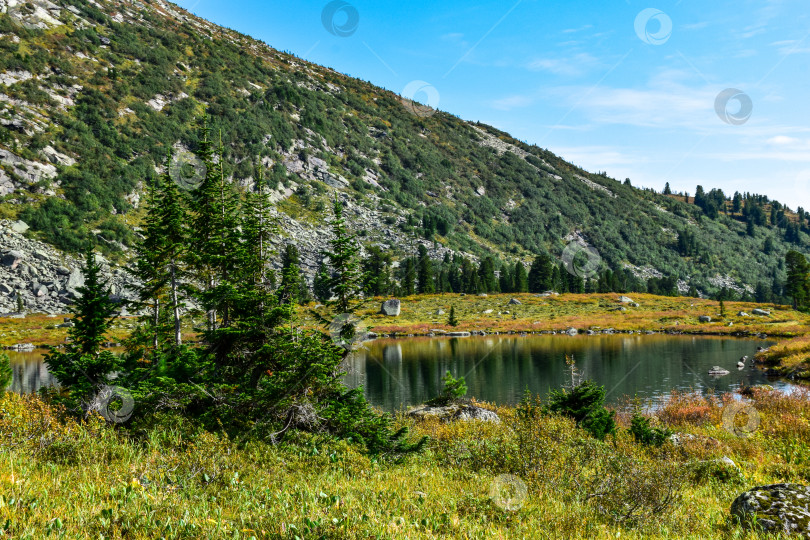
513, 102
782, 140
695, 26
580, 29
572, 66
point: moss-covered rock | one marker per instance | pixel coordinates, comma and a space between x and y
454, 411
775, 508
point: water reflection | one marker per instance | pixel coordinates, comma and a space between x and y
502, 368
30, 372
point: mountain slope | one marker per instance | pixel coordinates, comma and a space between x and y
92, 94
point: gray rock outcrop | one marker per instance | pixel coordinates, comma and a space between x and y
453, 412
44, 279
391, 307
775, 508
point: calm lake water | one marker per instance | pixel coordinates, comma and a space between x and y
398, 372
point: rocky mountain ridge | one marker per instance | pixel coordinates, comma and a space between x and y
93, 93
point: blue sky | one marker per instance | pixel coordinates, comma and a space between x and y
627, 87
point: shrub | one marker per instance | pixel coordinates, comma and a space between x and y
453, 390
645, 434
5, 372
585, 404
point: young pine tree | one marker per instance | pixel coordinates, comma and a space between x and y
452, 320
84, 368
150, 271
321, 286
6, 374
345, 282
215, 243
290, 288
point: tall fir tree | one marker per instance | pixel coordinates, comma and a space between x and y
425, 281
797, 285
321, 285
216, 241
345, 282
290, 288
521, 278
150, 273
541, 274
173, 223
84, 367
376, 269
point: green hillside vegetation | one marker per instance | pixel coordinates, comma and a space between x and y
430, 169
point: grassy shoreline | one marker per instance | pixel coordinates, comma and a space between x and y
74, 479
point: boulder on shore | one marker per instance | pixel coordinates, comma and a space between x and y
760, 312
705, 318
775, 508
625, 299
391, 307
453, 412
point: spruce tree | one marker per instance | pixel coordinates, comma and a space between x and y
216, 241
149, 270
173, 230
451, 320
541, 274
797, 285
6, 373
345, 282
321, 285
521, 278
407, 281
84, 368
290, 288
506, 279
425, 283
486, 276
376, 272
